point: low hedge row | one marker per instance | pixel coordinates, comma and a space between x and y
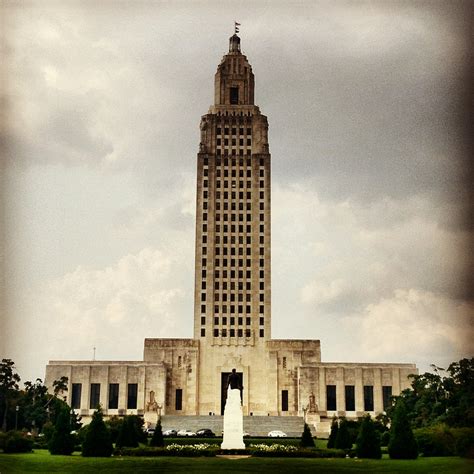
207, 449
441, 440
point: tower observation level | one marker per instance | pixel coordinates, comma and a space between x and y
232, 280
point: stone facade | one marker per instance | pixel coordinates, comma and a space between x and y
232, 315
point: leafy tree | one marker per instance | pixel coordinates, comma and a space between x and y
60, 386
333, 433
402, 443
368, 441
62, 442
128, 436
97, 441
307, 440
157, 438
343, 438
8, 386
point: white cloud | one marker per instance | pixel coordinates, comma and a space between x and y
414, 322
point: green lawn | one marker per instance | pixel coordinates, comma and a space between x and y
42, 461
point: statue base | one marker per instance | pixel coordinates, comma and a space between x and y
233, 422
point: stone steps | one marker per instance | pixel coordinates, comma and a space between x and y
255, 425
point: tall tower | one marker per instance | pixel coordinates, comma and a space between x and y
232, 281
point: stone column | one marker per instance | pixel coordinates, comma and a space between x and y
359, 392
395, 381
340, 395
322, 389
123, 388
378, 399
104, 388
86, 388
141, 395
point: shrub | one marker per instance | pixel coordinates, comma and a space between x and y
16, 442
48, 430
464, 442
97, 441
402, 443
157, 438
128, 436
62, 442
441, 440
333, 434
385, 438
368, 441
307, 440
114, 423
343, 438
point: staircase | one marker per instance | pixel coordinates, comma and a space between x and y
254, 425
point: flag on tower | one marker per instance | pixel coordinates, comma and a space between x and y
236, 25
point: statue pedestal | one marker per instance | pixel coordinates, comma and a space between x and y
233, 422
150, 418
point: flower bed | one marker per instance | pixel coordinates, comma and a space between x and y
281, 450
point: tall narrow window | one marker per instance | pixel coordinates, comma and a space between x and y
132, 393
76, 395
95, 395
113, 395
350, 397
386, 396
368, 398
284, 400
234, 95
179, 399
331, 397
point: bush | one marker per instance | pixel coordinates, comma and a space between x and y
17, 442
157, 438
114, 423
385, 438
368, 441
343, 438
333, 434
307, 440
128, 436
97, 441
62, 442
48, 430
402, 443
440, 440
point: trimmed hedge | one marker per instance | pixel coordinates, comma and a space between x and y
17, 442
440, 440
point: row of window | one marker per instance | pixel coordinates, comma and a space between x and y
349, 397
205, 184
233, 130
239, 297
233, 228
233, 142
233, 161
248, 195
223, 321
225, 274
233, 332
94, 395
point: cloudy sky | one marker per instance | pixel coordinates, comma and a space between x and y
368, 110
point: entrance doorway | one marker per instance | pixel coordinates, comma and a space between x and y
224, 378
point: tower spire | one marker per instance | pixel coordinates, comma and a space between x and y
236, 27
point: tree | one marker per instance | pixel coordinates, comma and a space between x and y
60, 385
368, 441
343, 438
62, 442
114, 423
307, 440
157, 438
333, 433
402, 443
8, 385
97, 441
128, 436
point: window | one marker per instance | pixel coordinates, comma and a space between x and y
180, 361
239, 332
261, 309
247, 333
224, 332
368, 398
283, 362
205, 182
232, 333
203, 320
203, 332
179, 399
95, 395
261, 323
113, 395
350, 397
203, 308
132, 393
284, 400
262, 332
386, 396
234, 96
331, 397
216, 332
76, 395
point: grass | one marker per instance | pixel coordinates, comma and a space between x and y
42, 461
